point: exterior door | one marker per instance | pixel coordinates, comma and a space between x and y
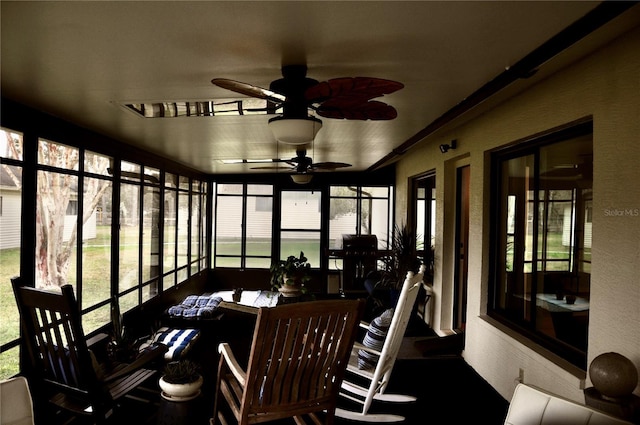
462, 248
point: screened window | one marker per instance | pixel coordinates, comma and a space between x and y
300, 223
96, 239
541, 276
243, 225
359, 210
11, 146
98, 223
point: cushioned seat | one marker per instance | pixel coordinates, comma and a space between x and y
532, 406
16, 407
178, 341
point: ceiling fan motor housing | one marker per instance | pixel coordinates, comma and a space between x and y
293, 85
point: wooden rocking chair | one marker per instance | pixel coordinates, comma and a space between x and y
64, 370
378, 377
296, 365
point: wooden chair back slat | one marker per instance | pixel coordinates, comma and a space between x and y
297, 361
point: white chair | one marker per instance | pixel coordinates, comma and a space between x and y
533, 406
16, 407
378, 377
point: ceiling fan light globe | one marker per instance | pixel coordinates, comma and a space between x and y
295, 131
301, 178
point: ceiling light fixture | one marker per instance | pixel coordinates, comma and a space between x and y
444, 148
301, 178
295, 131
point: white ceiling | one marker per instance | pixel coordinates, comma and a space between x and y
81, 59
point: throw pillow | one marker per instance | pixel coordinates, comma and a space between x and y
374, 339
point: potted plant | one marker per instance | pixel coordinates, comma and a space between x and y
289, 276
181, 380
402, 257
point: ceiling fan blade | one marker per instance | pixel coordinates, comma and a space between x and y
249, 90
356, 109
328, 166
360, 87
273, 167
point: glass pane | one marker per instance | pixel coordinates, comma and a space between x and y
308, 242
258, 263
182, 275
300, 210
203, 225
171, 180
229, 189
97, 164
375, 192
129, 301
195, 226
58, 155
149, 291
232, 262
96, 246
183, 229
56, 229
376, 220
10, 232
343, 219
9, 363
168, 281
343, 191
228, 226
151, 175
184, 183
151, 233
10, 144
130, 171
544, 283
129, 236
95, 319
170, 216
259, 221
259, 189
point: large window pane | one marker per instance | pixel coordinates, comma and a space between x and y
96, 247
170, 217
308, 242
151, 233
300, 225
343, 219
542, 250
195, 222
129, 237
56, 228
300, 210
183, 229
229, 225
259, 223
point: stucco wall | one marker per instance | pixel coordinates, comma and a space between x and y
606, 86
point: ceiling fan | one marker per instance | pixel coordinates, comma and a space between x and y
339, 98
301, 166
301, 163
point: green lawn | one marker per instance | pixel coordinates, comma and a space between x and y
96, 260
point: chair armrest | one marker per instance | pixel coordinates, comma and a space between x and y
359, 346
228, 356
150, 354
100, 338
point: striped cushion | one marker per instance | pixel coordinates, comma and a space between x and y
179, 341
374, 339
